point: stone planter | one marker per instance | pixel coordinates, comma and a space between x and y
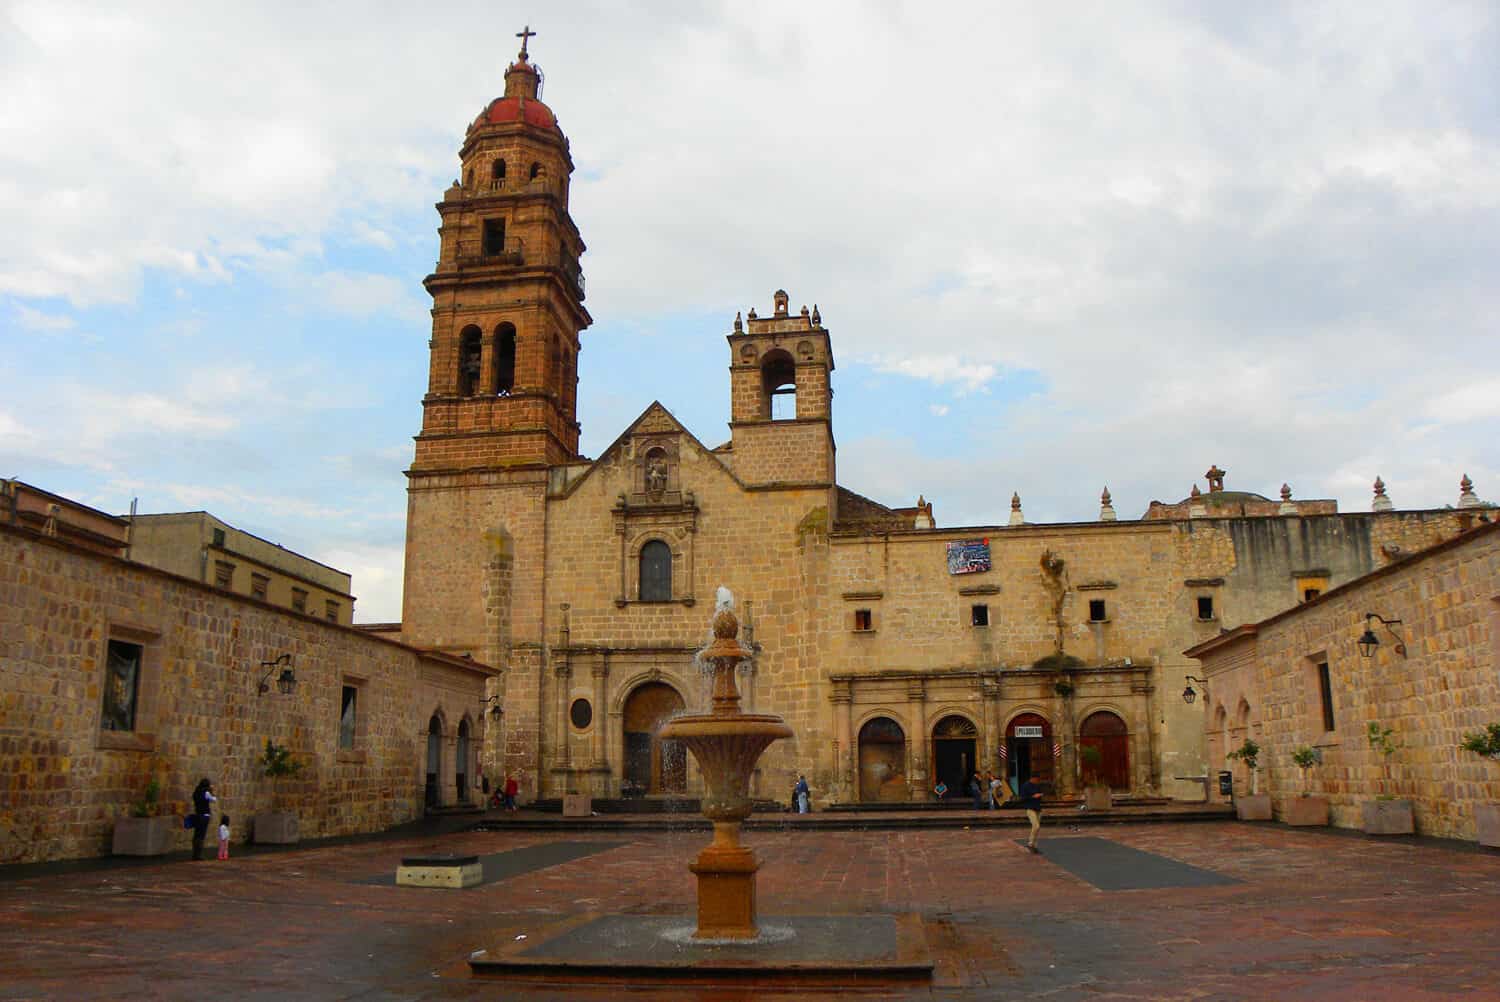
1306, 811
1487, 824
144, 836
274, 828
1388, 817
1256, 807
1096, 798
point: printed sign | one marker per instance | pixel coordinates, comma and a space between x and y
1029, 731
969, 556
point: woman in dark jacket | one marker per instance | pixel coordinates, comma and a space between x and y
203, 812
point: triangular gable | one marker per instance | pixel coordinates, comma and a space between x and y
654, 420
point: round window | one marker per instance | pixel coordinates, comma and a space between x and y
581, 713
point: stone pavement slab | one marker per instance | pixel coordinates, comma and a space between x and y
1111, 866
1313, 915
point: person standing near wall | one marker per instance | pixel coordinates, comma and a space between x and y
203, 801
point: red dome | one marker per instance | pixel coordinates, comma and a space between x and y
504, 110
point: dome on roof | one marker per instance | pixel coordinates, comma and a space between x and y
1226, 497
504, 110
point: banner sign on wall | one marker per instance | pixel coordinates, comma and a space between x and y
969, 556
1028, 731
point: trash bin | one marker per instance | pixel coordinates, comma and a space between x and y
1226, 783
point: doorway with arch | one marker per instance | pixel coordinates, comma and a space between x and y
954, 741
1107, 734
652, 766
882, 760
1028, 749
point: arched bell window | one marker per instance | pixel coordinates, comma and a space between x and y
778, 385
468, 361
656, 572
505, 359
497, 170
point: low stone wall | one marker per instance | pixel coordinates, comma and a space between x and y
64, 779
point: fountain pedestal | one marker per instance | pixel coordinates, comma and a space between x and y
726, 886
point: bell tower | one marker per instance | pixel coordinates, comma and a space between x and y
507, 294
500, 410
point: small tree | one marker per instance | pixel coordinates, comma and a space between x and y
1249, 753
1381, 740
277, 761
1485, 743
1305, 758
150, 801
1091, 758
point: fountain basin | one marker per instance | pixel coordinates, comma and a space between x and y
726, 747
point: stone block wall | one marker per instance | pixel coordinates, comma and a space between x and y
63, 779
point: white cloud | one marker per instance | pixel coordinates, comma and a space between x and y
939, 369
28, 318
938, 410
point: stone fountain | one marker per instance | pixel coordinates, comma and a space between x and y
726, 742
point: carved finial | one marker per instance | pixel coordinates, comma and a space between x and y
1106, 509
1195, 492
1379, 486
1381, 502
921, 501
751, 314
739, 325
1288, 506
817, 318
1016, 518
1466, 496
804, 309
1286, 492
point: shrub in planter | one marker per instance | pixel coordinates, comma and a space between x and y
1305, 809
1485, 743
1257, 806
144, 832
277, 826
1386, 814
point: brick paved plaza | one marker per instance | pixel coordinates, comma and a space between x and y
1308, 915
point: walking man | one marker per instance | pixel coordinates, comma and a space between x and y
1031, 799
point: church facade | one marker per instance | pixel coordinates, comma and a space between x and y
904, 655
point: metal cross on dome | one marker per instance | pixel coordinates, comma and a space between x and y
525, 35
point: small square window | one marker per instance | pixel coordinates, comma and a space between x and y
223, 573
1308, 594
348, 720
1205, 607
863, 620
299, 599
218, 537
122, 683
259, 586
979, 615
331, 611
1097, 612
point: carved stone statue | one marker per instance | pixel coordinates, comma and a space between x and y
656, 475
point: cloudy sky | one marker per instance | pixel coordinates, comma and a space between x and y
1106, 244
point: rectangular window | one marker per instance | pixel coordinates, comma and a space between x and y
1308, 594
1097, 610
1325, 690
331, 611
218, 537
1205, 607
863, 620
494, 237
259, 586
299, 599
122, 683
347, 716
979, 615
223, 573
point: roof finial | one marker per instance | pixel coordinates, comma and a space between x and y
739, 325
525, 35
1016, 518
1381, 502
1466, 496
1288, 506
1106, 508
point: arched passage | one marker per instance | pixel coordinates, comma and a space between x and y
651, 764
1028, 749
778, 374
1107, 733
434, 760
882, 760
461, 763
954, 754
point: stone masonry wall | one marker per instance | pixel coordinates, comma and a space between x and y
63, 780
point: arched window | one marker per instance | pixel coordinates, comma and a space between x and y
497, 170
468, 361
505, 359
461, 762
537, 170
656, 572
779, 386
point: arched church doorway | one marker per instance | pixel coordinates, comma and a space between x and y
1028, 749
434, 759
953, 754
461, 763
651, 764
1107, 733
882, 760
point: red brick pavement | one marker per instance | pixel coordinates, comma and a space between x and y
1317, 915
